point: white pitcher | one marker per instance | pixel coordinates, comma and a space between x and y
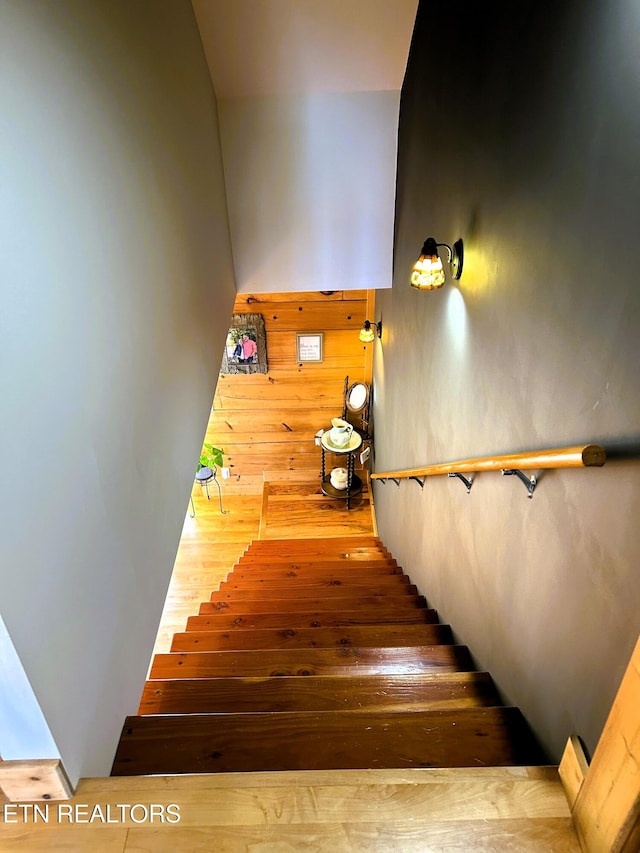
340, 432
339, 477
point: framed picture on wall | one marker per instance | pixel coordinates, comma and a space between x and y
245, 349
309, 347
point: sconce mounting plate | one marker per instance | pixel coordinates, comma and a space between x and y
457, 259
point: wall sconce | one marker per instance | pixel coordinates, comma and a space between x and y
428, 273
370, 331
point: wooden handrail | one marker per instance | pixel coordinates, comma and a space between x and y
581, 456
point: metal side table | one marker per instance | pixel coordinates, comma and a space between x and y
354, 483
203, 478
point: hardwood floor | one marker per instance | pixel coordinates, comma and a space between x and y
484, 810
292, 510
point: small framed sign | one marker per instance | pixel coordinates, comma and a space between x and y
309, 347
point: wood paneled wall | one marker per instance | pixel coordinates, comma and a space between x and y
267, 422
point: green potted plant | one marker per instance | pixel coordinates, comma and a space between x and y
209, 458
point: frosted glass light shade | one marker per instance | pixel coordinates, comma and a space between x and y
367, 335
427, 272
370, 331
427, 275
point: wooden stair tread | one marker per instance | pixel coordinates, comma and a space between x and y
361, 660
328, 544
295, 578
312, 619
209, 743
318, 654
386, 603
320, 543
306, 589
272, 638
318, 547
346, 559
417, 691
310, 562
294, 570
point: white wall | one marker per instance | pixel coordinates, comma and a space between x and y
24, 732
117, 283
311, 188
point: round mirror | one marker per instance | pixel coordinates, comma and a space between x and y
357, 397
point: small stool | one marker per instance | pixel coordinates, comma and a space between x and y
203, 477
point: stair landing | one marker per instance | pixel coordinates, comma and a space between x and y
482, 809
291, 508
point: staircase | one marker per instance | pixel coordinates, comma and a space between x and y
318, 654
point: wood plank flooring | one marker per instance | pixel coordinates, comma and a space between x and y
211, 542
288, 507
484, 810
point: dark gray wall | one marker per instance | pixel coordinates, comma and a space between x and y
520, 132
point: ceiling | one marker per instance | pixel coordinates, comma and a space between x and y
308, 95
276, 47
